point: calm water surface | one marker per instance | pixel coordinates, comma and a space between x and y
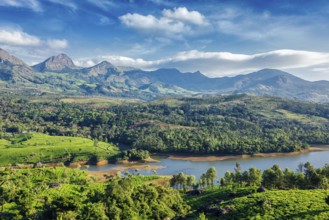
318, 159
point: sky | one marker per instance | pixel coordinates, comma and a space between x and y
216, 37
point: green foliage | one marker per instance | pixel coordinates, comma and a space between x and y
291, 204
236, 124
182, 181
134, 155
202, 216
236, 198
126, 201
64, 193
36, 147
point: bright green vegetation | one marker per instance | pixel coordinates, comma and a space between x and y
279, 204
36, 147
134, 155
287, 194
246, 203
63, 193
235, 124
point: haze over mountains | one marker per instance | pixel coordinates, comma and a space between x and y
59, 75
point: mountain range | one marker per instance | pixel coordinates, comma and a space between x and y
59, 75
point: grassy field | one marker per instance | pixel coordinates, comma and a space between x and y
274, 204
307, 119
35, 147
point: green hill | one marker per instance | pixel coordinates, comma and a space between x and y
274, 204
37, 147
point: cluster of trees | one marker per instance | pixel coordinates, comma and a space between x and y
63, 193
134, 155
182, 181
306, 177
226, 124
185, 182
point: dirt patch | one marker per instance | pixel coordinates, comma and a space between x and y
162, 181
100, 175
78, 164
102, 163
127, 162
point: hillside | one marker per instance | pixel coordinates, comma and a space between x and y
33, 147
59, 75
246, 203
232, 124
64, 193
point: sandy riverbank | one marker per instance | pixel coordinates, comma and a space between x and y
245, 156
101, 174
148, 160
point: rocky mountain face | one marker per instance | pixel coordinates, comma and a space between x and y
59, 63
107, 79
14, 70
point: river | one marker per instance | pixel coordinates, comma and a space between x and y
318, 159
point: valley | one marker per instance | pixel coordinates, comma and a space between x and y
164, 110
254, 136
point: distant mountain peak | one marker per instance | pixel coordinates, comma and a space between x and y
58, 63
6, 57
13, 69
105, 64
102, 68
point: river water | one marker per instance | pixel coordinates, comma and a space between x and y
318, 159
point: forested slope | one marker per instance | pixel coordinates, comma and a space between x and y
233, 124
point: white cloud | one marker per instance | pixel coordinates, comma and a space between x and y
118, 61
32, 4
66, 3
28, 47
173, 23
103, 20
103, 4
57, 43
18, 37
151, 24
182, 14
218, 64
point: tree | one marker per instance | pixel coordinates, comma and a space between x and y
255, 177
211, 175
190, 180
202, 216
312, 178
269, 178
203, 180
227, 180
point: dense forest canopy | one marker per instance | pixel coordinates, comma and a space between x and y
233, 124
67, 129
64, 193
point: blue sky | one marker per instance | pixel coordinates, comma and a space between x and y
217, 37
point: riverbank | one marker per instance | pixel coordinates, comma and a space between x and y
101, 175
194, 158
127, 162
